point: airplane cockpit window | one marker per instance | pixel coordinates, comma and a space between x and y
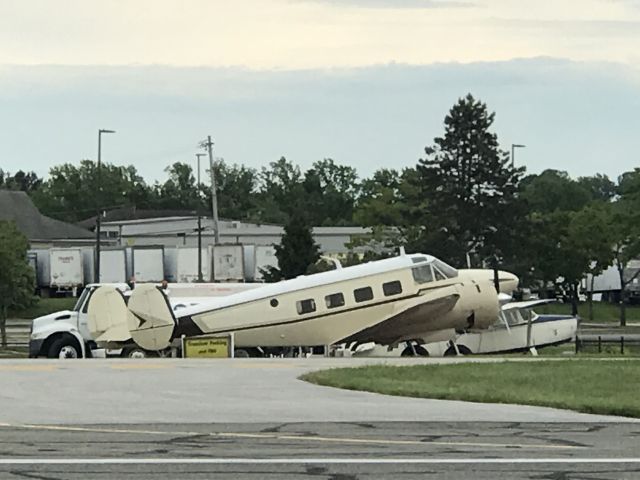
422, 274
419, 259
438, 274
447, 270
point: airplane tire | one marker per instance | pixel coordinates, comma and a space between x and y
451, 351
241, 353
420, 351
134, 352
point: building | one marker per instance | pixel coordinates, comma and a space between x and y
182, 231
40, 230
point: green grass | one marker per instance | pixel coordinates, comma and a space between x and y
14, 352
44, 306
585, 385
603, 312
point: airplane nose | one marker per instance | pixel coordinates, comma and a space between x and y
508, 281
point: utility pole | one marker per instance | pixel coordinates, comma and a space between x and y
96, 272
214, 197
200, 279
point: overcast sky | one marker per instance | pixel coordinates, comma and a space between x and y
366, 82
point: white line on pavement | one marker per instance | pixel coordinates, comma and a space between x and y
298, 461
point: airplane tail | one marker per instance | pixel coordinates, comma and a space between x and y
107, 315
150, 319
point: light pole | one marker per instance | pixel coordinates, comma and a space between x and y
513, 152
97, 193
200, 279
208, 144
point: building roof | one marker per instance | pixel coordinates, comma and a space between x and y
120, 215
17, 206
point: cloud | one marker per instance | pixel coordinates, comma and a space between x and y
576, 116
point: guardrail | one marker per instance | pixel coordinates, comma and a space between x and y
583, 341
18, 332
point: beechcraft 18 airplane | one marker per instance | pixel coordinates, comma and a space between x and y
408, 297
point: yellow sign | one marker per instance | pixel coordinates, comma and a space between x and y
206, 347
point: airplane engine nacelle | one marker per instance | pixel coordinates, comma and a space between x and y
478, 306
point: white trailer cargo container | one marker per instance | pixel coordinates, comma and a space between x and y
66, 268
228, 263
148, 264
187, 264
113, 268
265, 256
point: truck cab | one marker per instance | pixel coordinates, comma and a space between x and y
65, 334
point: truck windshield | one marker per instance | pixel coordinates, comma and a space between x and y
81, 299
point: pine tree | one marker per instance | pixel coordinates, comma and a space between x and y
469, 189
296, 252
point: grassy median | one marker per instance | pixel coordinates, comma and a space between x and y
587, 385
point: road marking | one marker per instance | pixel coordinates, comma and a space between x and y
324, 461
140, 366
303, 438
28, 368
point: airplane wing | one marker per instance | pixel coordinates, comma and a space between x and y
528, 303
409, 319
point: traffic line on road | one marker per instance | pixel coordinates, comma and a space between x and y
301, 461
297, 438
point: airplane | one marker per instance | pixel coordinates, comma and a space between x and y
408, 297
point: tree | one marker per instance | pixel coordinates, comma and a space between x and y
236, 190
296, 252
23, 181
73, 193
554, 190
589, 233
600, 187
280, 191
17, 278
330, 193
468, 189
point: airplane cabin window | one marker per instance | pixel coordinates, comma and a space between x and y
392, 288
306, 306
363, 294
419, 259
334, 300
422, 274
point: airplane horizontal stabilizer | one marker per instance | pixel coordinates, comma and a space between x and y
150, 318
106, 315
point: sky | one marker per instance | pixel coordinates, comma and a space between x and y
365, 82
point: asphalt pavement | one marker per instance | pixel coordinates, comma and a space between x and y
252, 418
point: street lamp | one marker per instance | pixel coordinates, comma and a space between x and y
513, 152
97, 259
200, 279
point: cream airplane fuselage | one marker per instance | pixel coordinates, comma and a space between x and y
386, 301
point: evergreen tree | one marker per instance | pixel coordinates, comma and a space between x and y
297, 250
468, 190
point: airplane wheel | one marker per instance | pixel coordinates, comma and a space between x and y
241, 353
420, 351
451, 351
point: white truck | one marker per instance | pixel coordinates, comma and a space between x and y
67, 334
187, 264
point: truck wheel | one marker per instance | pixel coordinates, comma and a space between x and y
64, 347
